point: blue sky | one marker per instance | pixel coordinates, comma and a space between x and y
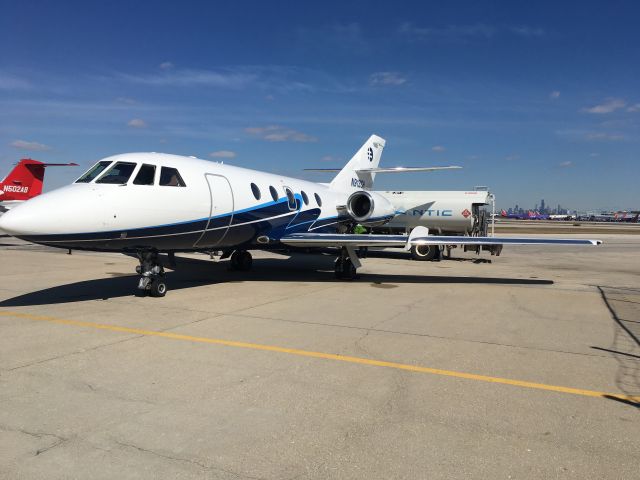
535, 99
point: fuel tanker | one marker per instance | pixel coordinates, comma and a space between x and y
442, 212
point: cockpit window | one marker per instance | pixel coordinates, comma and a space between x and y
171, 178
94, 171
118, 174
145, 175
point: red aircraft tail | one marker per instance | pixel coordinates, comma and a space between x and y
25, 180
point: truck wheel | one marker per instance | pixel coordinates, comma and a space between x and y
424, 252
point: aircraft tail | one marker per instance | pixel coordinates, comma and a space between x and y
25, 180
354, 175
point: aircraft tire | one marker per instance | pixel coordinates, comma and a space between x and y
424, 252
344, 269
241, 260
338, 267
158, 288
245, 261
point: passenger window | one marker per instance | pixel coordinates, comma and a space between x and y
94, 171
291, 199
118, 174
145, 175
169, 177
318, 199
256, 191
274, 194
305, 199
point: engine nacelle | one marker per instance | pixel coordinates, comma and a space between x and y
369, 208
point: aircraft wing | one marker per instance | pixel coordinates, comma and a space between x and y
320, 240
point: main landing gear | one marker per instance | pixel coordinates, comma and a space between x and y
151, 274
241, 260
347, 264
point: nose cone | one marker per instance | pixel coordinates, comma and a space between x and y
45, 214
18, 221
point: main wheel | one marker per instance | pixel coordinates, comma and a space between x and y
338, 267
158, 288
241, 260
424, 252
344, 269
246, 261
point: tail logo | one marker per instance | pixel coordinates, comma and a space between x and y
370, 154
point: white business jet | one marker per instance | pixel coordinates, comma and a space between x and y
151, 203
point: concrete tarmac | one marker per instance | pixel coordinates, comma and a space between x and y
525, 367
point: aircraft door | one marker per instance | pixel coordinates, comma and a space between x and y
220, 213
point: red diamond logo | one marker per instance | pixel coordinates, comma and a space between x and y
466, 213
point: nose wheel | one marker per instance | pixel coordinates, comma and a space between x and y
151, 275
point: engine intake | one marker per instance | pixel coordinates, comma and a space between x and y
369, 208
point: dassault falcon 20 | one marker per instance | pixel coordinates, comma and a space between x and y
151, 203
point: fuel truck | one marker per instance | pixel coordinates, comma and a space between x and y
442, 212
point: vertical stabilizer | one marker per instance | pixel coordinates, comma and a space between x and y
350, 177
23, 182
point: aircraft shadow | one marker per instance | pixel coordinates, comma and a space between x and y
625, 348
191, 272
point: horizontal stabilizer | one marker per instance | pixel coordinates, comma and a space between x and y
387, 170
320, 240
407, 169
59, 164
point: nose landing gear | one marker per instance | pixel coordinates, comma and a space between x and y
151, 274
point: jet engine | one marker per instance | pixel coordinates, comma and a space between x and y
369, 208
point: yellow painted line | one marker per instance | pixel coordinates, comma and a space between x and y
326, 356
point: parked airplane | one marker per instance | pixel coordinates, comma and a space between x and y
530, 215
148, 203
24, 182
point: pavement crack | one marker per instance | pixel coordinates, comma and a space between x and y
197, 463
39, 435
70, 354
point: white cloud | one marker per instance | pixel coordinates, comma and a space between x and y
32, 146
554, 94
11, 82
608, 106
604, 136
137, 123
193, 78
566, 164
513, 156
276, 133
386, 78
449, 32
126, 100
223, 154
634, 108
166, 65
527, 31
438, 148
594, 154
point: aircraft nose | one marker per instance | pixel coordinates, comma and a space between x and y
16, 221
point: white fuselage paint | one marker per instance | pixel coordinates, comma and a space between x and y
92, 208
